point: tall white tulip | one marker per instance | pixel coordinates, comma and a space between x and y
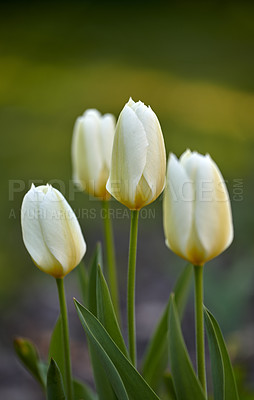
92, 143
51, 231
196, 210
138, 166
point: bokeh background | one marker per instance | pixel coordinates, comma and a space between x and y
193, 62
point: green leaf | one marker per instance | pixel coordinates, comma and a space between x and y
83, 392
168, 383
156, 356
56, 347
222, 372
186, 384
83, 280
103, 386
55, 390
182, 289
111, 374
106, 313
111, 355
27, 353
97, 260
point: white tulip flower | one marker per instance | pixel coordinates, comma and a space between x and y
51, 231
138, 166
196, 208
92, 143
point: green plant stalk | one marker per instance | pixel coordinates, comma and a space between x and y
131, 285
200, 333
66, 341
111, 260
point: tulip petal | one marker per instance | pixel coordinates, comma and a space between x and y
155, 168
191, 162
61, 230
107, 133
212, 211
92, 112
91, 151
185, 156
86, 152
211, 229
177, 207
128, 157
33, 234
144, 194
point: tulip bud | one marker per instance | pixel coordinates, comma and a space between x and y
196, 208
91, 151
138, 166
51, 231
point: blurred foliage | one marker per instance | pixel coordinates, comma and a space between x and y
192, 62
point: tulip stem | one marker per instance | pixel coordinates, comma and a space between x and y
199, 316
131, 285
111, 260
66, 341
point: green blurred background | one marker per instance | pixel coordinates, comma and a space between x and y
193, 62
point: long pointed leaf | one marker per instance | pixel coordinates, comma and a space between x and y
106, 313
222, 372
83, 280
109, 368
55, 390
182, 289
97, 260
186, 384
102, 383
83, 392
156, 356
135, 385
168, 383
56, 347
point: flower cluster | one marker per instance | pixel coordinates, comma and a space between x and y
127, 161
197, 229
